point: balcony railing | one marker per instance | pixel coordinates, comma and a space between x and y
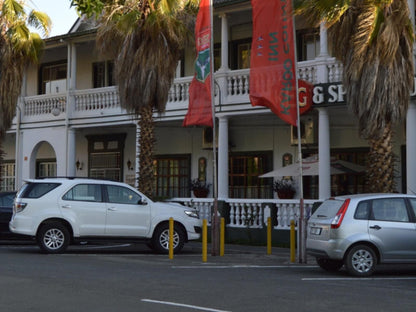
232, 91
252, 213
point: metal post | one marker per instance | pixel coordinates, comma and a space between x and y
269, 236
171, 230
214, 220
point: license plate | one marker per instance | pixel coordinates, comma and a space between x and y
316, 230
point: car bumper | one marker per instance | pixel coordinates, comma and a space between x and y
330, 249
21, 225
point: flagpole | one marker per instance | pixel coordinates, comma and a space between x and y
302, 220
214, 219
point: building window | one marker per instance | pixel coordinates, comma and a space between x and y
53, 78
46, 168
172, 176
217, 56
8, 179
103, 74
245, 170
341, 184
240, 54
308, 44
105, 156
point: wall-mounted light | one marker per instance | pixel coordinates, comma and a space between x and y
79, 165
56, 111
129, 167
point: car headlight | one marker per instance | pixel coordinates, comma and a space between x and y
192, 213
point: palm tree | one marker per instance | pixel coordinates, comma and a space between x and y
146, 39
373, 40
18, 47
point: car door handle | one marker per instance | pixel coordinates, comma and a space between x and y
375, 227
112, 209
66, 206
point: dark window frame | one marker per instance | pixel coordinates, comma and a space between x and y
341, 184
106, 78
168, 188
106, 150
42, 74
240, 182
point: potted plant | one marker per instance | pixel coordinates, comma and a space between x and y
285, 188
200, 188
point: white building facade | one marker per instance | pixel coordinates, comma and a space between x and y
69, 121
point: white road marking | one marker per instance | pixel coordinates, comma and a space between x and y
241, 266
357, 278
105, 246
183, 305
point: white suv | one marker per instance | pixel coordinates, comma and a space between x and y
60, 211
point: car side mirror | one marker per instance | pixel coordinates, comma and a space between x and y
143, 201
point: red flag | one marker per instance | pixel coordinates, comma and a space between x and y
200, 109
272, 64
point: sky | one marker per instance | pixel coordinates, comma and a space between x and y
62, 16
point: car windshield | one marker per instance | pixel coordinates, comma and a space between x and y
328, 209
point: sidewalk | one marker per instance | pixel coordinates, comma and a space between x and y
247, 255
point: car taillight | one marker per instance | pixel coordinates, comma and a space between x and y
336, 223
18, 207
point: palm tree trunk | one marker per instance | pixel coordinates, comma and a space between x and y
380, 167
146, 150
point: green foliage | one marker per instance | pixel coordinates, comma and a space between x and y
284, 185
197, 184
18, 46
89, 7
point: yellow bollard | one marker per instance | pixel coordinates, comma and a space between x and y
204, 240
222, 237
269, 236
171, 229
292, 241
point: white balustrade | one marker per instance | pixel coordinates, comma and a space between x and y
96, 99
44, 104
252, 213
234, 90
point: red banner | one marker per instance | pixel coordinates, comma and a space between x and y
200, 109
272, 64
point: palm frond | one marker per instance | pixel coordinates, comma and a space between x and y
40, 21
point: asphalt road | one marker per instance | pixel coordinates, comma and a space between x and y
131, 278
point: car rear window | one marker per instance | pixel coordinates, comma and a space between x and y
36, 190
328, 209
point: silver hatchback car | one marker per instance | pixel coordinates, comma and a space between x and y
361, 231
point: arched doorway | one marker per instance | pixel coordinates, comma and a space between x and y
43, 161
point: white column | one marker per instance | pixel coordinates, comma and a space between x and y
73, 67
411, 128
411, 4
411, 149
324, 155
223, 158
136, 180
224, 43
70, 133
323, 42
71, 154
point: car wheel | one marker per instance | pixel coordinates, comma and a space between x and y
361, 261
160, 239
330, 265
53, 238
